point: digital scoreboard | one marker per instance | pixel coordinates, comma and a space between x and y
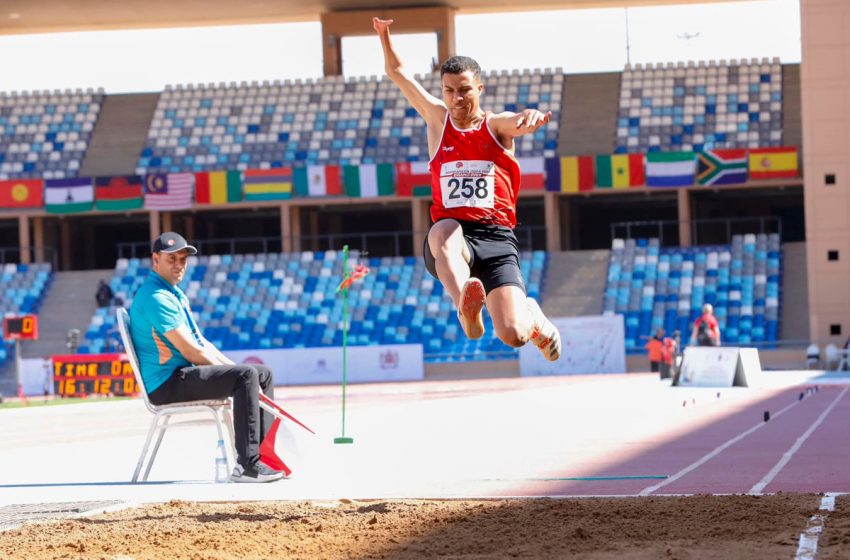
24, 327
78, 375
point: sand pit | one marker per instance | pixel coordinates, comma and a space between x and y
704, 527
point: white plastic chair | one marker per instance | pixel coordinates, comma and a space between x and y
220, 409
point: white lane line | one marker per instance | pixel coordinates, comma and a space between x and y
705, 458
759, 486
808, 546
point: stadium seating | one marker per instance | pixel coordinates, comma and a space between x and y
207, 127
654, 287
288, 300
46, 134
24, 288
332, 120
734, 104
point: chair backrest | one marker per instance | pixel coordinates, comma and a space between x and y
124, 328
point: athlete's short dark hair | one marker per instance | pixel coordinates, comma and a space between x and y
459, 65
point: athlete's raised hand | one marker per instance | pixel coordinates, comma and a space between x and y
381, 25
532, 119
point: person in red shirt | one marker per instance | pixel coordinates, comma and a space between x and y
475, 179
706, 329
668, 355
654, 349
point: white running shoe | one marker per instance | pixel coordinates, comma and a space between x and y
258, 473
472, 298
544, 334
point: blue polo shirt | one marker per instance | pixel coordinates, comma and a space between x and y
159, 307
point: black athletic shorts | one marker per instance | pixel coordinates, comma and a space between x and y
494, 253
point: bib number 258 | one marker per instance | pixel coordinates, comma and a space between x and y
468, 187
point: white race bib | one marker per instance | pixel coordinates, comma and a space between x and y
468, 183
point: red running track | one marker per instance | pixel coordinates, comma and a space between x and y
735, 453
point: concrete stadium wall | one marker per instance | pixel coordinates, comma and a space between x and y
825, 81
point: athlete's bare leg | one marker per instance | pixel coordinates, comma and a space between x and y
451, 256
518, 320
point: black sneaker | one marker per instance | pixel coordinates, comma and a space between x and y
256, 473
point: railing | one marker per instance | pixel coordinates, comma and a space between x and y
375, 243
712, 229
36, 254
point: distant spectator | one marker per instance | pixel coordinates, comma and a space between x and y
104, 294
706, 329
654, 350
668, 355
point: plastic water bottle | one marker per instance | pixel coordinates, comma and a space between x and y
221, 474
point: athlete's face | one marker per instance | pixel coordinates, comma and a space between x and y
461, 93
171, 266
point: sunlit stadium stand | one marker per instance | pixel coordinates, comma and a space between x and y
654, 287
223, 126
24, 287
289, 301
46, 134
721, 104
330, 120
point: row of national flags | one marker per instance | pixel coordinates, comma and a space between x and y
669, 169
180, 191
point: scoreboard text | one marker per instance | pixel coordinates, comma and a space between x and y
78, 375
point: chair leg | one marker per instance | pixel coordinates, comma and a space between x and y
154, 425
156, 446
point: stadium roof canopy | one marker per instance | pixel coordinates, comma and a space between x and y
41, 16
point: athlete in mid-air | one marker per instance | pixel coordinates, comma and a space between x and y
475, 180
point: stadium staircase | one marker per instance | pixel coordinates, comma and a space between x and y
589, 118
575, 283
69, 305
795, 292
119, 134
792, 103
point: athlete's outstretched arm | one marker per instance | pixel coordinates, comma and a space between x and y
511, 125
429, 107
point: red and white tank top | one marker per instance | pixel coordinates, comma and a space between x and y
473, 177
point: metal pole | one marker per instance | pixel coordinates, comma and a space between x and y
345, 274
18, 389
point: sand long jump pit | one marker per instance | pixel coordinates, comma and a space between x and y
712, 527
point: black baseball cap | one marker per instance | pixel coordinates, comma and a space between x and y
170, 242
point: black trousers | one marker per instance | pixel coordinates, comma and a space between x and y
240, 381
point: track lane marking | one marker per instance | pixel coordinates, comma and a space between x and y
715, 452
786, 457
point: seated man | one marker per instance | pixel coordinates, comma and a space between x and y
178, 364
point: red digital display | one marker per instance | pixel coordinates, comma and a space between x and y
24, 327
